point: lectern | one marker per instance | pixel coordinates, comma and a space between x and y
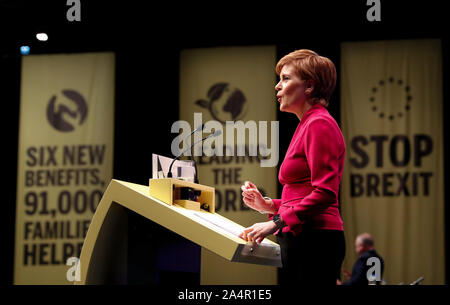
104, 253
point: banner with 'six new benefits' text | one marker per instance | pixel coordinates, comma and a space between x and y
65, 160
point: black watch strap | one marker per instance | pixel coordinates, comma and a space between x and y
277, 220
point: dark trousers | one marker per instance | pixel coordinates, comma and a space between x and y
313, 257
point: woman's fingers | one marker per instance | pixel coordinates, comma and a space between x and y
251, 196
250, 185
256, 236
249, 199
258, 232
249, 202
247, 234
251, 235
248, 196
250, 192
248, 230
241, 235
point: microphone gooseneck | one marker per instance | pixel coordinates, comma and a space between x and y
169, 174
215, 134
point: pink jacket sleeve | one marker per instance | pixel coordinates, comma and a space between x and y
277, 203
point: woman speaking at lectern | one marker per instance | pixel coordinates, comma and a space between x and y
306, 219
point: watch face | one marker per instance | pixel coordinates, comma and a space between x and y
276, 217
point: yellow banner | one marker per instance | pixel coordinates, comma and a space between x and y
65, 160
234, 85
393, 179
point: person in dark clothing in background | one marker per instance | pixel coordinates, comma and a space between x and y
365, 247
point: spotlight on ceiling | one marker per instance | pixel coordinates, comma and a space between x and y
42, 36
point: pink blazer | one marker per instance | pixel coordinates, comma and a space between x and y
311, 173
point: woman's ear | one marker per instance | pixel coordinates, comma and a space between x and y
309, 87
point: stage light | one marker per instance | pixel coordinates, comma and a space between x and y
42, 36
25, 50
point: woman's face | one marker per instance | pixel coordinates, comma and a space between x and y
291, 90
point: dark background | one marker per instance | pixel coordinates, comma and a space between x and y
147, 39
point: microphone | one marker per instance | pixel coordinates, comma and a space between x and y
169, 174
194, 131
215, 134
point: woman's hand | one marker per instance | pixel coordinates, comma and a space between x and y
259, 231
253, 198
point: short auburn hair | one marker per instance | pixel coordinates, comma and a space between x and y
312, 66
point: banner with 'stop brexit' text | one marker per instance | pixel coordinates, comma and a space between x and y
231, 89
392, 187
65, 160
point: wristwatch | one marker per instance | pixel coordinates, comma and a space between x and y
277, 220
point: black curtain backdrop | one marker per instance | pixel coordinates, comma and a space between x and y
147, 41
